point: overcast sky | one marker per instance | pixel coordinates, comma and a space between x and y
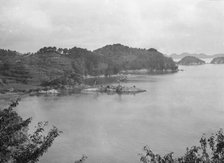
171, 26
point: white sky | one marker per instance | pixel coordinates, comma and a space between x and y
171, 26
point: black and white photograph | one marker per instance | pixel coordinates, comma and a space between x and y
111, 81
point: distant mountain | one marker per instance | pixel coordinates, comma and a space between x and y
182, 55
218, 55
198, 55
218, 60
127, 58
190, 60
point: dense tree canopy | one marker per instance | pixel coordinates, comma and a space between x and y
50, 64
125, 57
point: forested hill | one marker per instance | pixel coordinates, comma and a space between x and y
70, 65
190, 60
128, 58
51, 63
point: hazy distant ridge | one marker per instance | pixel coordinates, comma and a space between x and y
198, 55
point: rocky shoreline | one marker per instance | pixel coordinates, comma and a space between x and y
13, 91
149, 72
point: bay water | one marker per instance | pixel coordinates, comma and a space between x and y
172, 114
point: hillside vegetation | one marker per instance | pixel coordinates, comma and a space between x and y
127, 58
70, 66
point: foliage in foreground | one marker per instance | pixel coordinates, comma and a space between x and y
16, 145
211, 150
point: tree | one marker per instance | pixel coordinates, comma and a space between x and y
211, 150
16, 145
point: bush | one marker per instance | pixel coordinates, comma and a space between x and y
211, 150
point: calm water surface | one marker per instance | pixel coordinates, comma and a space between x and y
172, 115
